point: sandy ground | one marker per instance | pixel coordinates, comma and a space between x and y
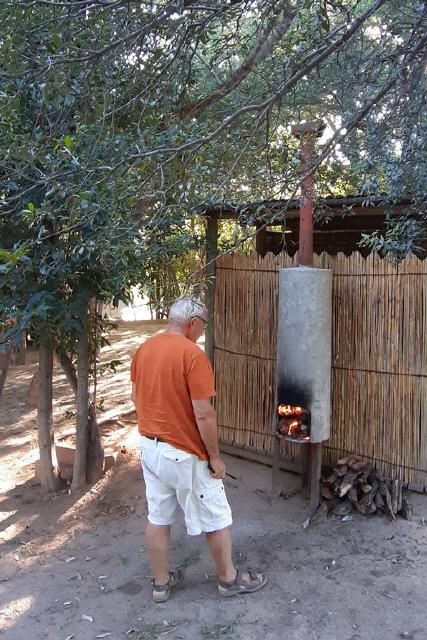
74, 567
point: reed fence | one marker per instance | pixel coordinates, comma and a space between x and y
379, 358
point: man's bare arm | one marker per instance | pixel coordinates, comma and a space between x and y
206, 422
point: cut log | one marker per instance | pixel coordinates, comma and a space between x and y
340, 471
366, 505
353, 481
352, 495
344, 488
321, 513
357, 465
379, 501
336, 485
387, 499
326, 493
366, 488
343, 508
332, 503
351, 476
406, 511
365, 471
396, 495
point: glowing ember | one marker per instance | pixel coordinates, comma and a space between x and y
294, 422
294, 426
289, 410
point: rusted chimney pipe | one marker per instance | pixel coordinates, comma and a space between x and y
306, 133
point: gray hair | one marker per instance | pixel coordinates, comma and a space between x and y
185, 308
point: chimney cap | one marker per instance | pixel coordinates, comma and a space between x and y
317, 127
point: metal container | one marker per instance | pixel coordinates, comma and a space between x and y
304, 344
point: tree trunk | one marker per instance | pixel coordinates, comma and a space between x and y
95, 458
3, 374
48, 474
69, 370
82, 393
33, 390
20, 354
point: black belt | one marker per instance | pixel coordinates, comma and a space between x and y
153, 438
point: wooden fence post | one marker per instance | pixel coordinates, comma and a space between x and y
211, 254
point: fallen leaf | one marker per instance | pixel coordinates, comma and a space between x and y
88, 618
306, 523
67, 604
70, 637
70, 559
103, 635
347, 519
102, 577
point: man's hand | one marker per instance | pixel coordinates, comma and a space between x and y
217, 468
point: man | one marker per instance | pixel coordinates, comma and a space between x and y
172, 387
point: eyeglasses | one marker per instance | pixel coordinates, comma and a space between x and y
205, 322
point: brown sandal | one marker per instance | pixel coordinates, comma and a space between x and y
241, 585
162, 592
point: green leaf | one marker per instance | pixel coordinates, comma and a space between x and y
68, 142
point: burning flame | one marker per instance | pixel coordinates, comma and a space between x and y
289, 410
293, 426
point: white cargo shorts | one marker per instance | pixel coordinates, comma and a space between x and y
174, 478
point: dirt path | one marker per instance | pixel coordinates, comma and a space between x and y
69, 556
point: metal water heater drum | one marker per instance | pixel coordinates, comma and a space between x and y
304, 344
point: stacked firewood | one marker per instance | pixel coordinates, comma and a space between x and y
355, 484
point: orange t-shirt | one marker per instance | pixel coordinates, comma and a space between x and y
169, 371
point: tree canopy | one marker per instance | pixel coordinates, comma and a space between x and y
120, 118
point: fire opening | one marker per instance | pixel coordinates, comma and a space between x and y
294, 423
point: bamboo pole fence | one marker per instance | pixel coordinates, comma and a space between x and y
379, 358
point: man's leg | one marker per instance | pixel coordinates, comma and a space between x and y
220, 546
157, 539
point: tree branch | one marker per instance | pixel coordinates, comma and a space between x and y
264, 46
266, 105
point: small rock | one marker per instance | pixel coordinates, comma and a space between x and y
88, 618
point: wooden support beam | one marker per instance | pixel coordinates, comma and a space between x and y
275, 469
315, 475
211, 254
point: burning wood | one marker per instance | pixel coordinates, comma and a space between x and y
356, 484
294, 422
